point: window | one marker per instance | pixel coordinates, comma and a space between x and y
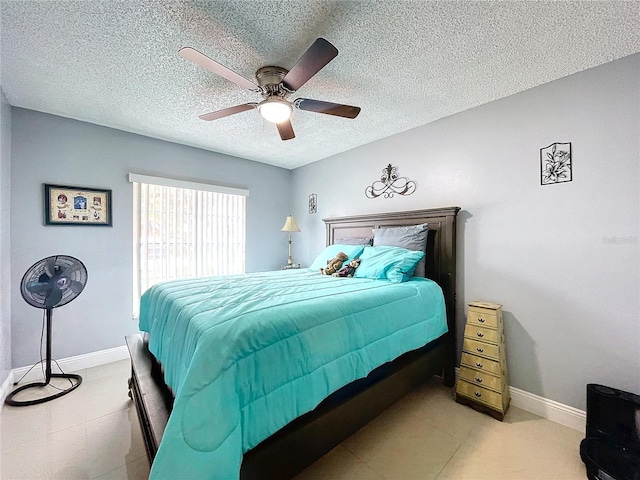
184, 230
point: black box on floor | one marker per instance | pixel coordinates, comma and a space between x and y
611, 449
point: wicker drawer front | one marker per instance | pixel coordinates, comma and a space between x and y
481, 319
480, 394
479, 363
480, 348
481, 378
481, 333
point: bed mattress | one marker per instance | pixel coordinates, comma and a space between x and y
247, 354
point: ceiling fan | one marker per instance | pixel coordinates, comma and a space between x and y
275, 84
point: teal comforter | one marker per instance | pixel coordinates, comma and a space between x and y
247, 354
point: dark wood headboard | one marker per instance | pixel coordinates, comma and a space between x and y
441, 244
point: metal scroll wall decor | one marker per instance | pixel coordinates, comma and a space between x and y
390, 184
313, 203
555, 163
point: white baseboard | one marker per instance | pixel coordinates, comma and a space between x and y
5, 388
73, 364
557, 412
551, 410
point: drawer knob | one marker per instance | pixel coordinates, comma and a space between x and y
480, 334
478, 379
479, 365
481, 320
478, 394
480, 349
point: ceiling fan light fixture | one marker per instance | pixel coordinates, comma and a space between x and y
275, 110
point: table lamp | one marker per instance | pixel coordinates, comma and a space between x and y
290, 225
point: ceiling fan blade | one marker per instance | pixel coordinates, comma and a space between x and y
205, 62
225, 112
318, 106
53, 298
286, 130
312, 61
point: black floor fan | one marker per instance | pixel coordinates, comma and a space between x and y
48, 284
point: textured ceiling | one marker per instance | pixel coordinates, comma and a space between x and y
406, 63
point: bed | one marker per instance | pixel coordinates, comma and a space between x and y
304, 439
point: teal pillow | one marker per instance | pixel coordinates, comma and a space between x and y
352, 251
393, 263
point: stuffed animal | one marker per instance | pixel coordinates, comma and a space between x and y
349, 269
334, 264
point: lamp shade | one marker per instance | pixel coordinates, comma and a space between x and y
290, 225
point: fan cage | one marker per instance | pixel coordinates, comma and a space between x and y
68, 268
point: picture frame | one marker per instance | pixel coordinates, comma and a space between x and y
66, 205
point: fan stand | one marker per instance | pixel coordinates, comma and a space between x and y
48, 375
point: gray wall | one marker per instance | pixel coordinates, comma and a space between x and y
563, 259
5, 244
51, 149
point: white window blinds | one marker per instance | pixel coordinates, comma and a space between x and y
184, 232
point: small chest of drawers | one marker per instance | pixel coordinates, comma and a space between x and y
483, 380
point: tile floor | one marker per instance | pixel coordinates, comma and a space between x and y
93, 432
